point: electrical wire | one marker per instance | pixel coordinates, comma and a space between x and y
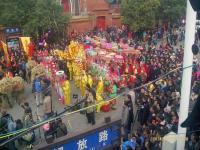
26, 130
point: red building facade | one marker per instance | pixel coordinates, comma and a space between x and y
87, 14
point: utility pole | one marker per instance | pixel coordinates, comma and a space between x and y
187, 74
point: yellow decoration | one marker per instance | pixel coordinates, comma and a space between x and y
76, 57
25, 42
5, 49
83, 83
99, 92
151, 87
90, 81
67, 93
69, 65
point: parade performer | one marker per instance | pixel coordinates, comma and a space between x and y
69, 65
131, 80
18, 89
99, 92
67, 92
123, 83
89, 80
83, 84
113, 94
114, 89
58, 83
76, 74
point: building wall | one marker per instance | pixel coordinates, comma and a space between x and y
116, 19
93, 5
95, 9
80, 24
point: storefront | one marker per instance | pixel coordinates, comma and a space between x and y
12, 37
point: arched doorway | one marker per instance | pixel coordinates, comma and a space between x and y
101, 22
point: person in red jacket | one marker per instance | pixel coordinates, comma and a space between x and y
8, 74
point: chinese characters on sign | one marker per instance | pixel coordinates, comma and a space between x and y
96, 140
12, 30
82, 144
103, 136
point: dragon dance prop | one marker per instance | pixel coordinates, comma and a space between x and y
18, 84
6, 85
10, 86
37, 70
76, 63
31, 64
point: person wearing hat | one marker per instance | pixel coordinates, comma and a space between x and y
90, 111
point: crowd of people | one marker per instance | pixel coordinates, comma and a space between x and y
158, 103
155, 106
15, 66
41, 88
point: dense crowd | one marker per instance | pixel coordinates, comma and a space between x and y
41, 88
16, 64
158, 103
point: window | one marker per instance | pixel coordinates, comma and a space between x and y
75, 4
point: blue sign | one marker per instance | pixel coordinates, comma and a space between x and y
95, 141
12, 30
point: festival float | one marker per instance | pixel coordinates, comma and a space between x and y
114, 63
107, 67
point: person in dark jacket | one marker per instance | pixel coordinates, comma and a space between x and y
90, 112
131, 114
126, 115
62, 129
46, 87
27, 110
6, 125
143, 113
